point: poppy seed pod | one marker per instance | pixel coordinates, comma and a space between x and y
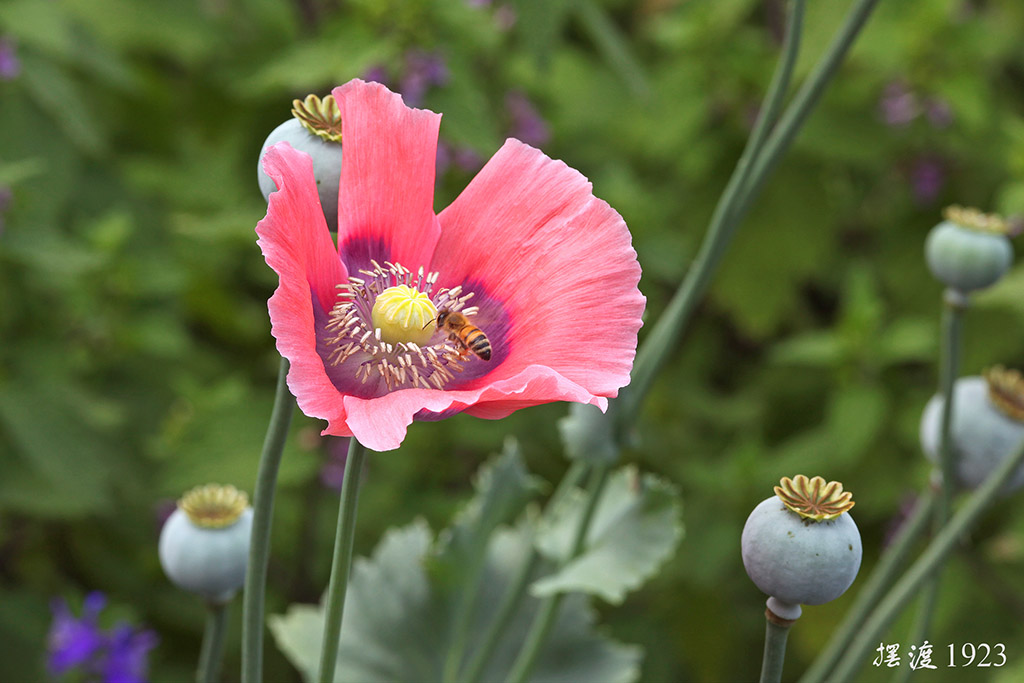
987, 426
315, 129
801, 546
969, 250
204, 545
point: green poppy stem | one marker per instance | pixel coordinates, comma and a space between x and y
775, 635
259, 548
211, 656
744, 186
342, 562
517, 588
874, 588
949, 367
930, 560
509, 604
548, 610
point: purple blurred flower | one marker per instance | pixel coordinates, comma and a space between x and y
126, 660
927, 178
73, 642
505, 17
525, 123
444, 158
332, 472
898, 521
938, 112
377, 74
10, 65
5, 201
468, 160
115, 656
898, 105
423, 70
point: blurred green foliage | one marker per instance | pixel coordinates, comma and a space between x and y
135, 355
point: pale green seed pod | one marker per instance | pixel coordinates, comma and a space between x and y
315, 129
801, 546
969, 250
987, 426
204, 545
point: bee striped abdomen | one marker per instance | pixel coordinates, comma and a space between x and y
477, 342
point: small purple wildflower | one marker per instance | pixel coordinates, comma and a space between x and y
899, 105
377, 74
505, 17
1015, 225
525, 122
927, 178
423, 70
74, 642
468, 160
938, 112
79, 644
126, 660
5, 200
332, 472
896, 523
10, 65
444, 158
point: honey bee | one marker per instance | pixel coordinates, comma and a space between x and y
459, 329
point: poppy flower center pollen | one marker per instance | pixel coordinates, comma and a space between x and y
383, 327
404, 314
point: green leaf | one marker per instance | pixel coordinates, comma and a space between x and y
397, 622
539, 23
307, 65
817, 348
503, 488
907, 340
216, 434
56, 91
63, 468
613, 46
587, 434
636, 528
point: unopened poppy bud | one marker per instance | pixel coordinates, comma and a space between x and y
987, 426
969, 250
204, 545
315, 128
801, 546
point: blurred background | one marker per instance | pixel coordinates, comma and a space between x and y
136, 359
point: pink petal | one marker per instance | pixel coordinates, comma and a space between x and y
386, 196
381, 423
297, 245
559, 260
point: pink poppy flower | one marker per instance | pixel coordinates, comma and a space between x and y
526, 255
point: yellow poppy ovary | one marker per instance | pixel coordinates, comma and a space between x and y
321, 117
404, 314
813, 499
213, 506
977, 220
1006, 391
